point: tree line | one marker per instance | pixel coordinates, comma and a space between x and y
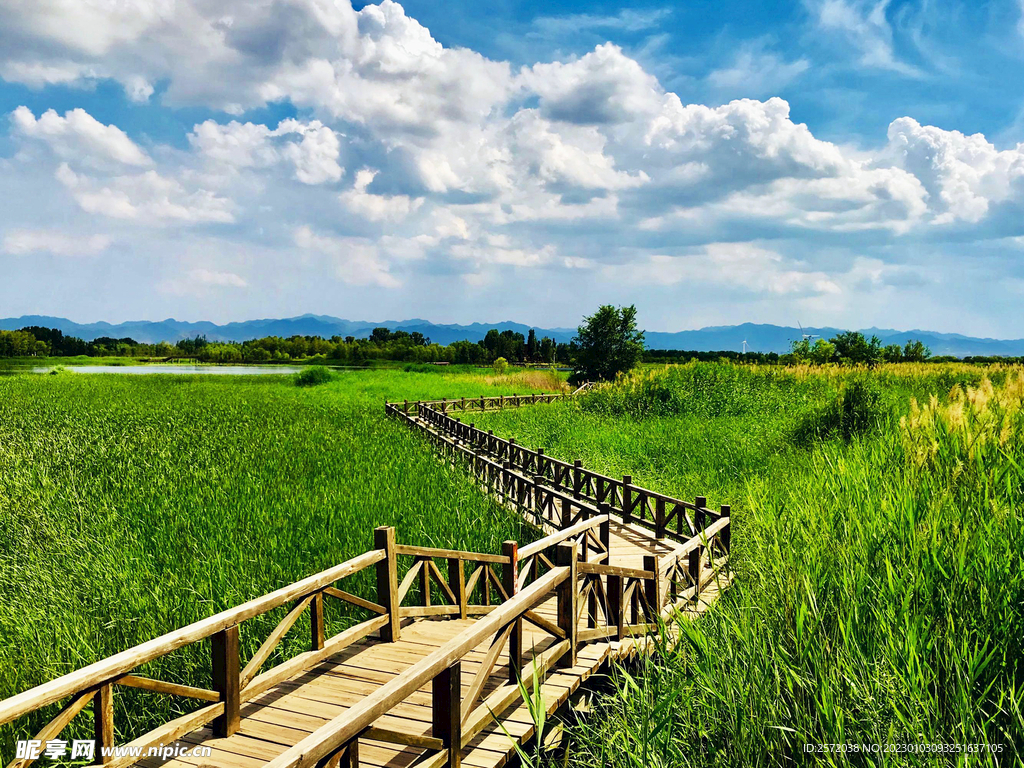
849, 347
606, 342
382, 344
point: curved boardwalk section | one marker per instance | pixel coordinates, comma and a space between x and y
432, 675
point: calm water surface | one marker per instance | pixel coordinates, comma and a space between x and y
221, 370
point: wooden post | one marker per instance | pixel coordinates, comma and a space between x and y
446, 711
566, 513
387, 582
616, 610
224, 647
577, 482
457, 582
565, 557
726, 534
659, 518
693, 567
103, 721
673, 581
698, 517
627, 498
652, 588
606, 531
425, 580
350, 758
316, 622
510, 583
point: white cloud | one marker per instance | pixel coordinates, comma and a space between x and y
147, 198
217, 279
603, 87
415, 158
313, 155
756, 71
864, 26
964, 175
79, 136
202, 282
356, 261
736, 265
24, 241
564, 156
627, 19
376, 207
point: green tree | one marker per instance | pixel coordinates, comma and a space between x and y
547, 349
916, 352
852, 347
822, 352
893, 353
608, 343
801, 350
532, 348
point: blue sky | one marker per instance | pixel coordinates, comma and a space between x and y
827, 162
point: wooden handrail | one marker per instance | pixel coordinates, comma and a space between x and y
702, 538
559, 536
615, 570
447, 554
122, 663
335, 734
591, 475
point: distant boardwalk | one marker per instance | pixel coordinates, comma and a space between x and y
448, 633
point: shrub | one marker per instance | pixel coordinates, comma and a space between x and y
313, 376
855, 410
500, 365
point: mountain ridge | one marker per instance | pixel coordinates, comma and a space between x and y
759, 337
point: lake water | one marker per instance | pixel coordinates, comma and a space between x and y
221, 370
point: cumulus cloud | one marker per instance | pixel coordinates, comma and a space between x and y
311, 148
603, 87
148, 198
964, 175
79, 136
376, 207
409, 155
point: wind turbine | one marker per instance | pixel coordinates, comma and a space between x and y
806, 336
744, 346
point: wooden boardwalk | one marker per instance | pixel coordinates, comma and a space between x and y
430, 678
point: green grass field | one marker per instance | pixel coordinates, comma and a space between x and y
133, 505
880, 564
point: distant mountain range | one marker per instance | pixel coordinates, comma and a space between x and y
759, 338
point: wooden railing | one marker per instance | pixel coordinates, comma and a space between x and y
231, 683
403, 574
668, 517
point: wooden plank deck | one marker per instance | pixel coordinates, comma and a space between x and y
293, 710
